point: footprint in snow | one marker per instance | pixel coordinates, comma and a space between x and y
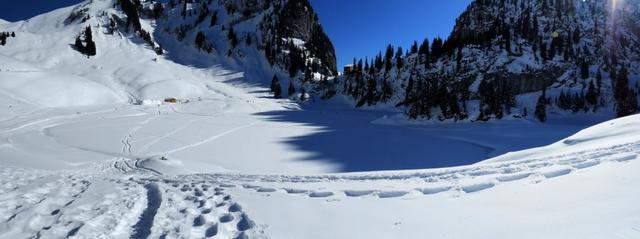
266, 190
295, 191
245, 223
211, 231
434, 190
392, 194
513, 177
477, 187
199, 221
556, 173
235, 207
357, 193
320, 194
226, 218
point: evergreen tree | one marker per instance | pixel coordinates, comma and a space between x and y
372, 91
91, 45
78, 45
131, 10
599, 81
292, 89
424, 53
627, 102
233, 39
277, 91
303, 95
592, 95
541, 107
414, 47
387, 91
621, 84
158, 9
436, 49
159, 50
200, 40
399, 59
388, 57
274, 82
214, 19
183, 13
247, 40
584, 70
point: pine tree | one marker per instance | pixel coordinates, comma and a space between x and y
414, 47
158, 9
159, 50
372, 91
541, 107
424, 53
436, 49
183, 13
247, 40
388, 57
200, 40
233, 39
592, 95
399, 59
89, 47
78, 45
303, 95
621, 84
292, 89
274, 82
584, 70
387, 91
627, 103
277, 91
214, 19
599, 81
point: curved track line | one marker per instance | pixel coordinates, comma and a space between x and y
218, 136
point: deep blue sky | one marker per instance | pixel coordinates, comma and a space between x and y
361, 28
358, 28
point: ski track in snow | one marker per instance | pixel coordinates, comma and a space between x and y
135, 202
466, 180
210, 139
141, 203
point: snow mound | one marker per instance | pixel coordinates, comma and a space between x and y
615, 133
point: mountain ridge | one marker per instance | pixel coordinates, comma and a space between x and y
509, 49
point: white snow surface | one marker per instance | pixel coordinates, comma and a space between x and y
78, 160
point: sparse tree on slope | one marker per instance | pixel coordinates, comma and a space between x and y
541, 107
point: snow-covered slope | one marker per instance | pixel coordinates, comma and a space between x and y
159, 60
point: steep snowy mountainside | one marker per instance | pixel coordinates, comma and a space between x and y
502, 51
153, 50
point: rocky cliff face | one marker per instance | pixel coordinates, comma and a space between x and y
298, 20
